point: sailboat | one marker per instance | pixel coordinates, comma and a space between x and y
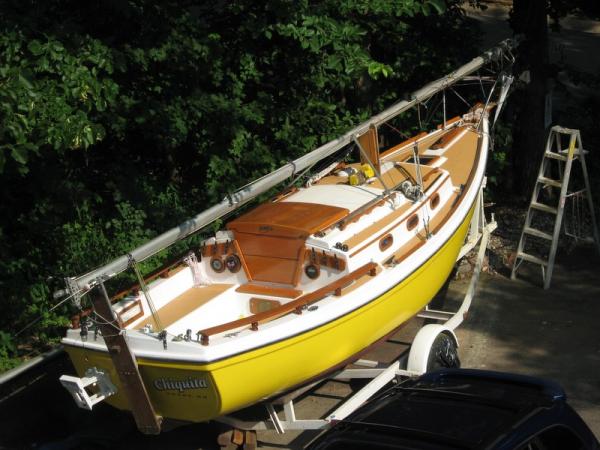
292, 288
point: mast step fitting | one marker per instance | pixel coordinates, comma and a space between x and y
91, 389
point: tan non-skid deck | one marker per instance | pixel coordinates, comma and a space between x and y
459, 163
184, 304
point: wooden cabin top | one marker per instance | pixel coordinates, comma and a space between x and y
288, 219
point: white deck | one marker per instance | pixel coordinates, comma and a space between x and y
340, 195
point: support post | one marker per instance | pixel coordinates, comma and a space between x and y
125, 364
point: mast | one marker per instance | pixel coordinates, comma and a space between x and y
79, 285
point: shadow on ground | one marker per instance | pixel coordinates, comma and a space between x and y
517, 326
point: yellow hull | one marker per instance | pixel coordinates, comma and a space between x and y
221, 387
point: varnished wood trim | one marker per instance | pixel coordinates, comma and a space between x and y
403, 144
443, 141
323, 258
296, 306
435, 171
273, 291
238, 252
218, 249
300, 265
295, 220
418, 243
286, 193
449, 122
133, 304
369, 142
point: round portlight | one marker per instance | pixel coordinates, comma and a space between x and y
386, 242
217, 265
233, 263
412, 222
435, 201
312, 271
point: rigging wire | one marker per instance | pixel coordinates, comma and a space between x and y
36, 320
102, 320
460, 97
481, 84
402, 134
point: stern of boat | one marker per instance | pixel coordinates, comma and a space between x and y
176, 390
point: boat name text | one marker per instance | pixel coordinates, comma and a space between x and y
170, 384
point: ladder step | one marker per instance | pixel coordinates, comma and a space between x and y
550, 181
554, 155
576, 153
545, 208
533, 259
537, 233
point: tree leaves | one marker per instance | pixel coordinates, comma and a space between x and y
49, 97
177, 105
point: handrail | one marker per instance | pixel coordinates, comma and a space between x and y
297, 306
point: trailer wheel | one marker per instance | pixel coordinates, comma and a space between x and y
443, 353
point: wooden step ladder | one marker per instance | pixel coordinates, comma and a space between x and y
564, 157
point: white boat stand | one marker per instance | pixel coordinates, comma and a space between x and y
414, 365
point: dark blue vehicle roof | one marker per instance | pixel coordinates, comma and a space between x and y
457, 409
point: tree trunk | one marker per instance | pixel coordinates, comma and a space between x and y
529, 19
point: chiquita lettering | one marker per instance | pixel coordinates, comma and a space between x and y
171, 384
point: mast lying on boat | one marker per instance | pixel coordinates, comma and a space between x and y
77, 286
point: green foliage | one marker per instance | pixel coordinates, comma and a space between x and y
498, 163
8, 351
50, 95
121, 119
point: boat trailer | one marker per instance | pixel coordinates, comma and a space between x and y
417, 362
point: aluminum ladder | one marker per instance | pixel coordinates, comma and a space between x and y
554, 151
